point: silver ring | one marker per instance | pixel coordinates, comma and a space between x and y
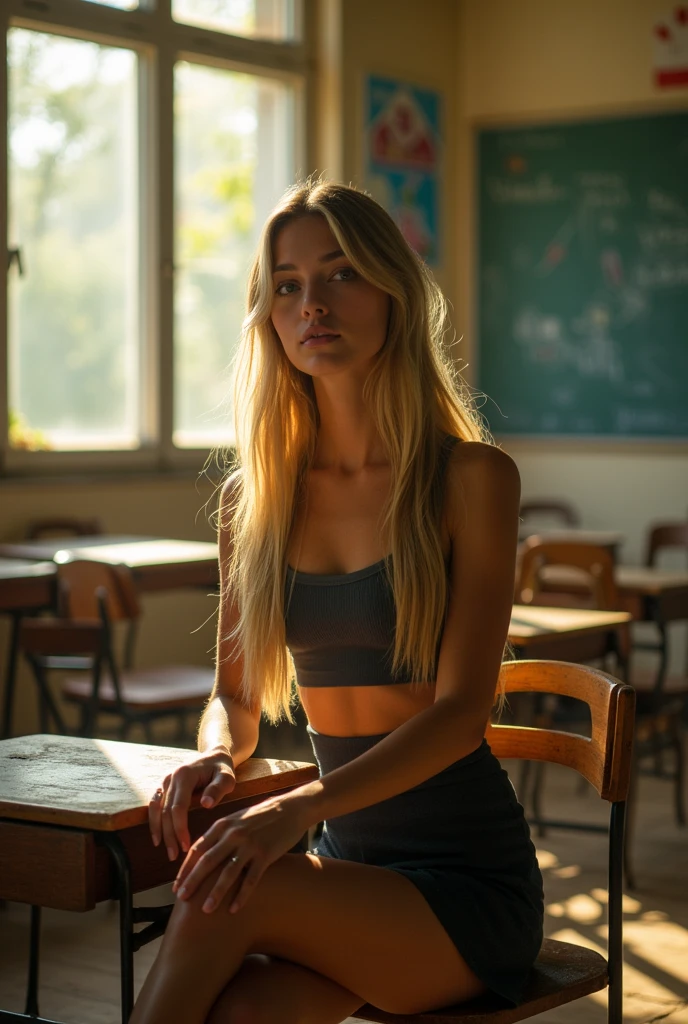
158, 794
234, 858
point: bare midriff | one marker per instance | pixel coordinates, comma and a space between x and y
363, 710
337, 531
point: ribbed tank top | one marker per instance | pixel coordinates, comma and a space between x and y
340, 628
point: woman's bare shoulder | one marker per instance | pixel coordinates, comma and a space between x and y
478, 472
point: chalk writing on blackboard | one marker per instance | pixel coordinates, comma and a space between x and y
583, 275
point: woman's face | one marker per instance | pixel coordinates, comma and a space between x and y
327, 316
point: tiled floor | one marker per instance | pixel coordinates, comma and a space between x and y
79, 970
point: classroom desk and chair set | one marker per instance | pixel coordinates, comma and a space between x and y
73, 831
104, 847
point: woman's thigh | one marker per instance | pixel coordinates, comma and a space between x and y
366, 928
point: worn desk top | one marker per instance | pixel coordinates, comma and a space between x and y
158, 563
126, 549
14, 568
530, 623
574, 535
106, 785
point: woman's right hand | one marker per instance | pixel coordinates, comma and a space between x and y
168, 809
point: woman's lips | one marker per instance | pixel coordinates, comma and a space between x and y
319, 339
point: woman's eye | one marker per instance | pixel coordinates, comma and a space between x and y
344, 274
285, 288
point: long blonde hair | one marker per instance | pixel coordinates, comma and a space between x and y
416, 398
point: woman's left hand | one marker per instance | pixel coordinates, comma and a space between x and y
245, 842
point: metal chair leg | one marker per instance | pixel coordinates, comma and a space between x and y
629, 814
615, 943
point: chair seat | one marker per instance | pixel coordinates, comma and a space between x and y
172, 685
562, 972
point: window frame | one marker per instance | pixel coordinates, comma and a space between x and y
159, 42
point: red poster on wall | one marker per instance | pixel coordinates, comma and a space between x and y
671, 49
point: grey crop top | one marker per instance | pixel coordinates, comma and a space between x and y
340, 628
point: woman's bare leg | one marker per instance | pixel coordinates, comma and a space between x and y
266, 990
365, 928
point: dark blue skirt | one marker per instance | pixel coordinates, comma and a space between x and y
462, 839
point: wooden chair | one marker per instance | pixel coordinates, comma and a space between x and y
563, 971
93, 597
661, 537
667, 699
591, 583
562, 511
658, 713
665, 535
58, 526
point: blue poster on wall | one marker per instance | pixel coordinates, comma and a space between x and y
402, 153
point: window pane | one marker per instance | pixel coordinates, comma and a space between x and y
257, 19
73, 331
123, 5
233, 161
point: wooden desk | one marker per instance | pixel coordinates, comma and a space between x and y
24, 587
158, 563
654, 595
74, 832
574, 535
565, 634
647, 593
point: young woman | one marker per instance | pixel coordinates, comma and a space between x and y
369, 535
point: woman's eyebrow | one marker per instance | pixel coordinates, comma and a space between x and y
327, 258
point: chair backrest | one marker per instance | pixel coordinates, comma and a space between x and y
604, 758
86, 587
560, 510
63, 526
595, 562
666, 535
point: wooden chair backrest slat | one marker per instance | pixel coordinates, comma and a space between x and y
666, 535
595, 561
604, 758
57, 637
81, 583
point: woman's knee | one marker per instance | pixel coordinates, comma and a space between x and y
189, 918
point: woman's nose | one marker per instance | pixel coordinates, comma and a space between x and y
314, 303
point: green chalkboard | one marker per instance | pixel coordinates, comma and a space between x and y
583, 278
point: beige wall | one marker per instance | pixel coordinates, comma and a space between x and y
538, 59
408, 40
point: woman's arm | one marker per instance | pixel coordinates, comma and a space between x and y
483, 494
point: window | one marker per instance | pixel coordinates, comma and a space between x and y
258, 19
232, 158
144, 151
